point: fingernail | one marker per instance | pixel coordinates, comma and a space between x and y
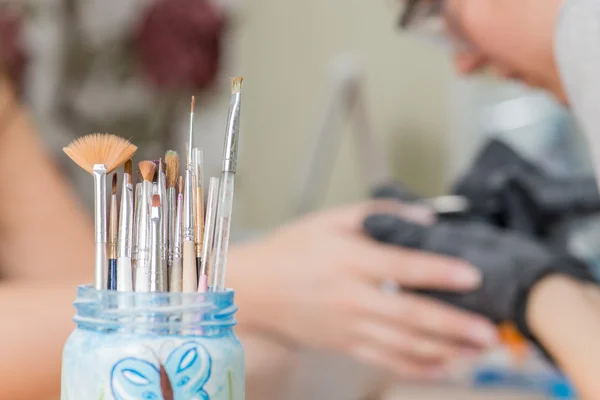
484, 335
467, 276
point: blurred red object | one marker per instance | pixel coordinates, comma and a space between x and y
13, 58
179, 43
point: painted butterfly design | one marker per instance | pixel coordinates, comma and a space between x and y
188, 367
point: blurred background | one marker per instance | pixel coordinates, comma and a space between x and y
417, 121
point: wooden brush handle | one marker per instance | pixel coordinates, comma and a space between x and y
190, 276
176, 277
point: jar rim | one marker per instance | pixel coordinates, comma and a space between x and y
97, 309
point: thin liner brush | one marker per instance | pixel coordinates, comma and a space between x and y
112, 237
157, 283
142, 264
199, 206
164, 243
209, 232
190, 274
100, 154
225, 203
176, 277
125, 247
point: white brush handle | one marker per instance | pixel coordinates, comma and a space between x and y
190, 278
100, 272
176, 278
124, 275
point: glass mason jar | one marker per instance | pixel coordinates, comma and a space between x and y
153, 346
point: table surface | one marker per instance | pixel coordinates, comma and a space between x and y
415, 392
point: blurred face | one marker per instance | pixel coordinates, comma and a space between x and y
513, 38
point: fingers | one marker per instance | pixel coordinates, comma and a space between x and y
430, 317
379, 356
352, 217
408, 342
415, 269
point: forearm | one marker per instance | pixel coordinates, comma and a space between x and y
36, 321
44, 231
565, 317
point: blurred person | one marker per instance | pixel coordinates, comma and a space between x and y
550, 296
551, 44
46, 244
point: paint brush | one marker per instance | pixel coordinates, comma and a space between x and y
176, 277
157, 282
162, 191
209, 232
125, 246
225, 203
100, 154
112, 237
172, 160
198, 205
142, 256
190, 274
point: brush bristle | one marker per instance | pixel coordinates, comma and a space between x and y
155, 200
193, 104
100, 148
147, 169
114, 183
236, 84
128, 168
172, 159
180, 191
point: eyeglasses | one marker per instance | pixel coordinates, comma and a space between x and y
434, 21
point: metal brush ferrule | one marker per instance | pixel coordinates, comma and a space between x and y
188, 207
113, 228
171, 215
230, 149
136, 213
199, 220
209, 229
126, 221
156, 274
100, 277
164, 226
143, 219
99, 173
177, 235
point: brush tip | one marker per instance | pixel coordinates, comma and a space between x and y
147, 169
155, 200
172, 161
236, 84
128, 167
180, 191
114, 183
100, 148
193, 104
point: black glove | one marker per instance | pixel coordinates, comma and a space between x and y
485, 182
510, 263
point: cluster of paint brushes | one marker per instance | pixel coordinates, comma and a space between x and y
162, 237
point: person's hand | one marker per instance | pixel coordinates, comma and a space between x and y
318, 282
513, 37
511, 263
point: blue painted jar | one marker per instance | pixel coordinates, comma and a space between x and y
153, 346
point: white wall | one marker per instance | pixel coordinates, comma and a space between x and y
287, 47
